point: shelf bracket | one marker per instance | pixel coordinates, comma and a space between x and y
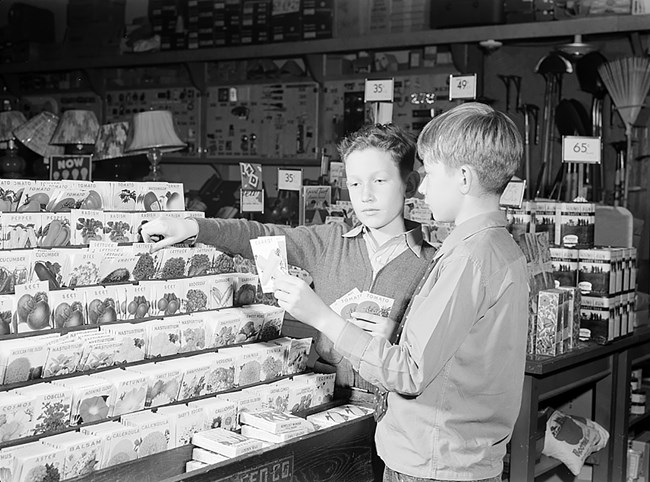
637, 44
196, 70
314, 64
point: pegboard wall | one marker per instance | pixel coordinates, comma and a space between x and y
273, 121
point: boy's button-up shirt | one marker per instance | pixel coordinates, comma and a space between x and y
456, 375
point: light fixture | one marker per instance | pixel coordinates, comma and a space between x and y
576, 49
110, 145
11, 164
36, 134
153, 133
76, 128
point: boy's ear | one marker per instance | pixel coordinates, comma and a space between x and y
467, 178
412, 184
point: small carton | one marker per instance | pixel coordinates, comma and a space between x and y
273, 421
225, 442
217, 412
597, 315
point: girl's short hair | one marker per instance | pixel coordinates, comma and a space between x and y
476, 135
385, 137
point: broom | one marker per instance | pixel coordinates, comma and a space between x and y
627, 81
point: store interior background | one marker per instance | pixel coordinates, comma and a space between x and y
514, 58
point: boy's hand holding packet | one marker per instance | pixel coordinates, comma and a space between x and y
270, 253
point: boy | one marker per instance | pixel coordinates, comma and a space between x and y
455, 377
385, 254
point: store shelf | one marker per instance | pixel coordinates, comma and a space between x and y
537, 30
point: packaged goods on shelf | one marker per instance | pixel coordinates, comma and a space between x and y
129, 391
37, 461
206, 457
599, 316
337, 415
217, 412
184, 421
16, 415
552, 316
120, 442
90, 398
225, 442
163, 382
195, 371
274, 421
565, 266
52, 405
275, 438
82, 452
22, 359
154, 431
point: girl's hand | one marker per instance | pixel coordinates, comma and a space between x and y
375, 324
164, 231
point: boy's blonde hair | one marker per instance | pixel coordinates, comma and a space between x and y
475, 135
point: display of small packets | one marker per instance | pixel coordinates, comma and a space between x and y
100, 307
99, 353
19, 230
55, 230
36, 196
323, 386
196, 293
15, 416
250, 324
83, 268
22, 359
184, 422
49, 265
248, 364
200, 262
277, 397
90, 396
68, 308
217, 412
123, 195
31, 306
221, 327
154, 432
87, 225
63, 356
163, 337
118, 269
38, 458
194, 371
129, 391
221, 291
52, 406
221, 375
14, 270
245, 288
82, 452
270, 255
11, 191
272, 361
138, 301
173, 262
7, 303
272, 324
163, 383
132, 341
192, 330
120, 442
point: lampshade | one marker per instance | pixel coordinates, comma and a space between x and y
111, 141
9, 120
36, 134
78, 127
154, 129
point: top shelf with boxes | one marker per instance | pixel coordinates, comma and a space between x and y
538, 30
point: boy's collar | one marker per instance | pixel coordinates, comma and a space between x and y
472, 226
413, 234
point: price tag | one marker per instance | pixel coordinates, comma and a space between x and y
290, 179
379, 90
581, 149
462, 86
251, 201
513, 195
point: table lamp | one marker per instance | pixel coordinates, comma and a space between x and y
111, 143
36, 134
153, 133
11, 164
76, 128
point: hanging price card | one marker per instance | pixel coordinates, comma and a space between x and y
581, 149
379, 90
462, 86
290, 179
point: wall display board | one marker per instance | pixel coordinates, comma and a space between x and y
272, 121
344, 109
56, 103
183, 102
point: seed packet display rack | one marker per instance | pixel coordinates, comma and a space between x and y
260, 331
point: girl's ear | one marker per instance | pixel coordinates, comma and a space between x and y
412, 184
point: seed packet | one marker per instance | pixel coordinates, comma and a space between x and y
120, 442
166, 297
98, 353
71, 195
129, 391
192, 330
200, 262
63, 356
83, 269
14, 270
31, 306
68, 308
247, 400
16, 412
277, 397
196, 293
374, 304
37, 462
118, 227
221, 291
272, 324
245, 288
162, 337
100, 307
155, 432
298, 355
11, 190
153, 197
124, 195
248, 364
118, 269
49, 265
22, 359
52, 406
145, 266
272, 361
221, 327
195, 371
217, 412
251, 321
323, 386
173, 263
7, 309
346, 304
90, 396
82, 452
184, 422
87, 225
270, 254
138, 301
221, 375
132, 339
55, 230
36, 196
19, 230
174, 197
163, 383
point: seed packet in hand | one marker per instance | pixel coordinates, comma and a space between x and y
374, 304
270, 253
347, 303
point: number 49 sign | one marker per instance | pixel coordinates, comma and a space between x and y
462, 87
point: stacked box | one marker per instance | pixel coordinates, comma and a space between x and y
286, 24
571, 325
219, 22
575, 225
200, 24
409, 15
598, 315
597, 271
544, 218
565, 266
256, 21
317, 19
233, 20
521, 220
552, 310
631, 309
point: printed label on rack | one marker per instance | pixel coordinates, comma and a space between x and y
513, 195
462, 87
280, 470
290, 179
581, 149
251, 201
379, 90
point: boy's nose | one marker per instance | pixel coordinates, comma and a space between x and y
367, 193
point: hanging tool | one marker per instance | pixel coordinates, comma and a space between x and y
530, 113
509, 80
552, 67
